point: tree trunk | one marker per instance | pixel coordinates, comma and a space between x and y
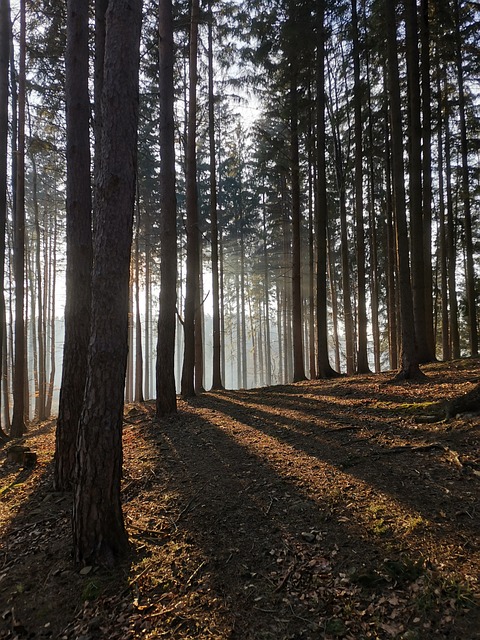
79, 244
98, 529
415, 182
192, 280
451, 231
362, 355
467, 208
324, 370
216, 353
409, 360
166, 398
298, 356
427, 171
18, 420
4, 63
138, 394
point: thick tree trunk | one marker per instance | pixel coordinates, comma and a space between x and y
166, 398
98, 529
79, 244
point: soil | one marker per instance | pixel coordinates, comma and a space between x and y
322, 509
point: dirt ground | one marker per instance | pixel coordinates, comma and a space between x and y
323, 509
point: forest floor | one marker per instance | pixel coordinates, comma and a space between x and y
317, 510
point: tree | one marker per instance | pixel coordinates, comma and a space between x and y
192, 230
362, 357
79, 243
4, 65
98, 529
165, 375
467, 209
217, 351
18, 419
409, 360
415, 183
324, 369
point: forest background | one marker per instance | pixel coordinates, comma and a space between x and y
266, 176
336, 233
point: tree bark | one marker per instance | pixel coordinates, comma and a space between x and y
216, 353
415, 183
79, 244
467, 208
18, 427
192, 280
98, 529
298, 356
409, 360
324, 369
5, 36
362, 355
166, 399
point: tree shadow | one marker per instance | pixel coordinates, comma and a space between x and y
275, 546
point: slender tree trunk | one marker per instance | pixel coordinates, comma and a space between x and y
216, 353
5, 38
324, 370
40, 397
129, 383
298, 356
427, 171
362, 355
442, 240
192, 278
18, 420
199, 324
409, 359
98, 529
451, 235
53, 263
166, 398
467, 208
138, 395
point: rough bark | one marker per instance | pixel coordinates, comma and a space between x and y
79, 244
98, 529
